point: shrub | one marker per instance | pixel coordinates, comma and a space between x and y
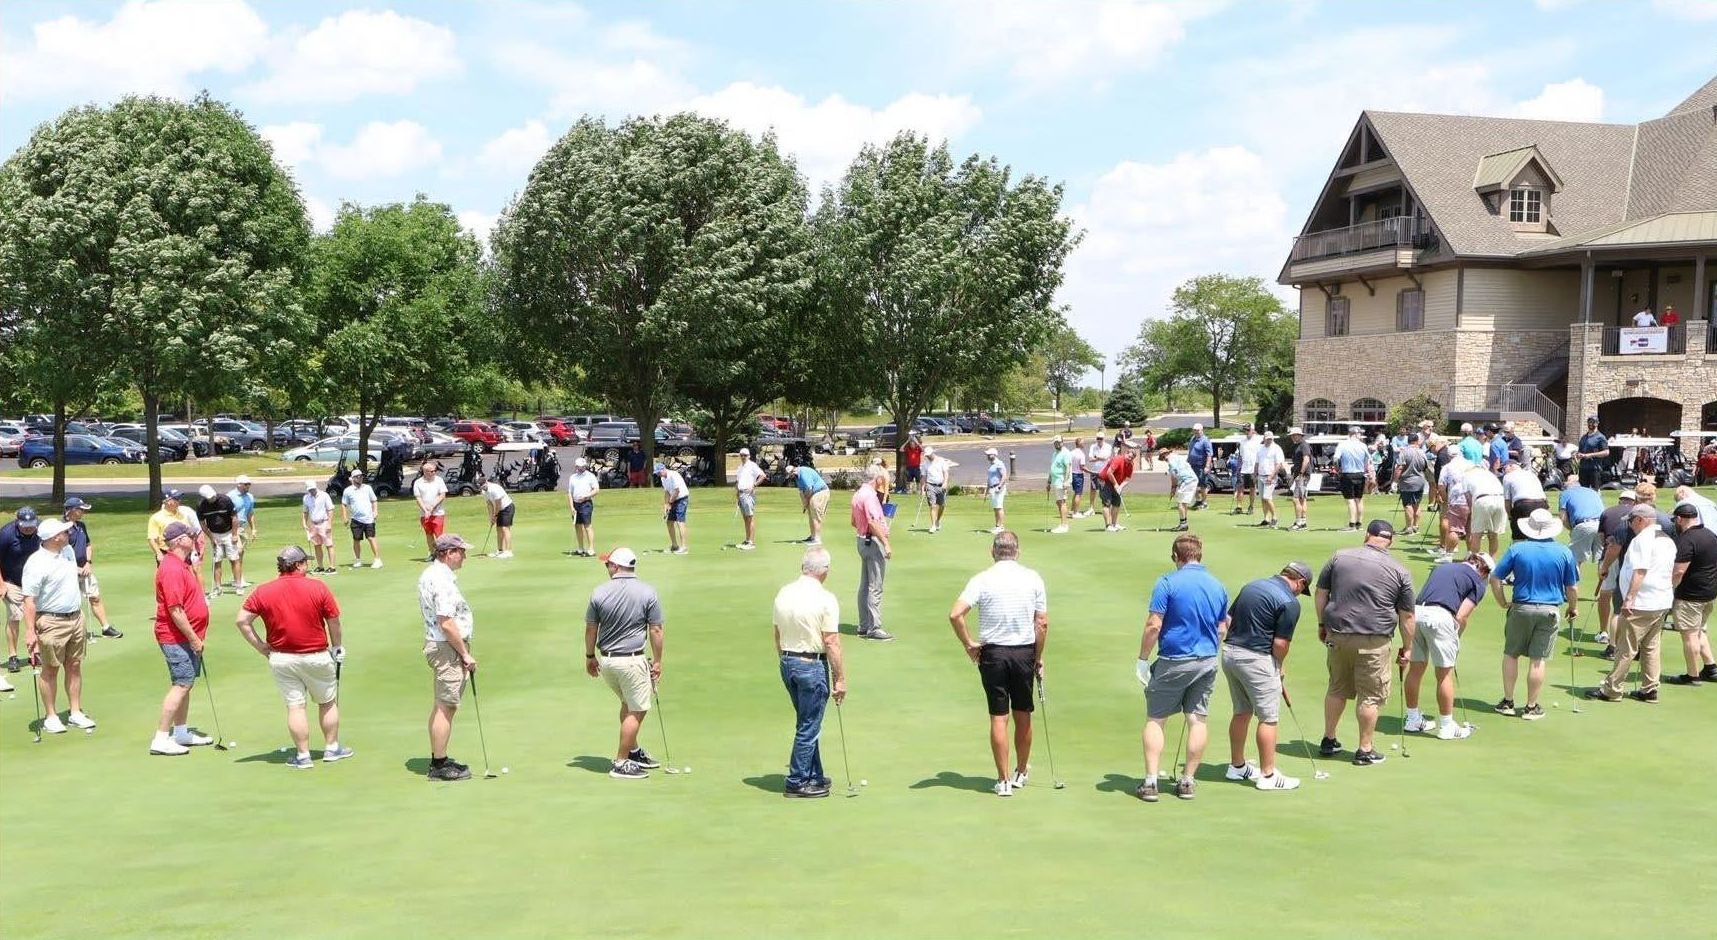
1178, 437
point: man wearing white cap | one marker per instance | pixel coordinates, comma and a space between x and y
1057, 485
676, 498
244, 524
623, 615
1544, 574
216, 513
745, 486
581, 489
1096, 458
935, 472
318, 520
447, 629
1266, 465
53, 623
1451, 593
360, 510
996, 487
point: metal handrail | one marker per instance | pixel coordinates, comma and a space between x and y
1512, 398
1402, 230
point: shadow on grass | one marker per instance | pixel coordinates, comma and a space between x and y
1118, 783
275, 756
591, 764
418, 766
768, 783
955, 781
849, 629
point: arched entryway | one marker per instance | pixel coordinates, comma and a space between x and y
1653, 417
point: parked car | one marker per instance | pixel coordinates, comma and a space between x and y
219, 443
297, 432
38, 451
1022, 426
442, 445
11, 440
165, 453
413, 426
621, 432
172, 446
562, 432
583, 423
333, 449
524, 432
481, 433
883, 436
248, 434
926, 426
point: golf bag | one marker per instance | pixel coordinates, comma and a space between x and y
338, 481
547, 470
462, 479
389, 475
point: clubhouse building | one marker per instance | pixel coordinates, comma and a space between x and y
1499, 266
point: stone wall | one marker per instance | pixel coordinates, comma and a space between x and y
1484, 357
1688, 380
1389, 367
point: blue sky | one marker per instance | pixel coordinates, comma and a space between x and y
1191, 136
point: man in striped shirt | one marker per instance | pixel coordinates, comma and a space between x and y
1013, 623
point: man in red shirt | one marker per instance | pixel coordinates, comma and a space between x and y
913, 456
1111, 480
181, 620
303, 651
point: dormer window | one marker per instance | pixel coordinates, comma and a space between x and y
1525, 206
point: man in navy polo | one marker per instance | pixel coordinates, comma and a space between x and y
1198, 453
18, 542
1189, 612
1594, 450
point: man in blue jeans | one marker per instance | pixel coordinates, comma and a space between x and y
1189, 614
808, 641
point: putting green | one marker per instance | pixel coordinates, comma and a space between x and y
1578, 825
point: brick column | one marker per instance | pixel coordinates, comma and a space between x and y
1585, 345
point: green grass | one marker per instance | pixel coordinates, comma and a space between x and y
197, 469
1579, 825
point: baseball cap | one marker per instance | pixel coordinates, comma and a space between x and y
929, 450
309, 486
1380, 527
289, 556
621, 556
1628, 495
1056, 439
52, 527
580, 463
27, 517
990, 452
171, 494
745, 452
242, 479
1269, 433
1684, 510
357, 474
660, 467
206, 492
449, 542
1295, 430
73, 502
177, 530
1099, 435
1593, 419
1303, 572
1485, 559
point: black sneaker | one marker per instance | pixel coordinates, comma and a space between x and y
1298, 526
1708, 674
449, 771
1597, 695
1329, 747
1186, 790
627, 770
1263, 525
1367, 758
1532, 712
111, 632
1682, 679
11, 664
1235, 511
810, 791
1609, 652
1638, 695
1179, 528
1504, 707
643, 759
1147, 791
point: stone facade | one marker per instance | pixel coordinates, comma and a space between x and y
1389, 367
1498, 357
1597, 383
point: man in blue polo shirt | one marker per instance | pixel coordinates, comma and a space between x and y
813, 499
1470, 447
244, 525
1188, 615
1198, 453
1594, 452
1582, 509
1353, 463
1495, 449
1544, 574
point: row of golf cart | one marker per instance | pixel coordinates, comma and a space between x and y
519, 467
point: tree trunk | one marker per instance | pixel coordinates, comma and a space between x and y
366, 424
152, 442
723, 430
59, 451
1215, 407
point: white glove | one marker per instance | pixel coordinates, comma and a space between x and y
1144, 673
339, 654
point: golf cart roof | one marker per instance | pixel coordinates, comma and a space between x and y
1628, 440
1698, 434
517, 446
1316, 439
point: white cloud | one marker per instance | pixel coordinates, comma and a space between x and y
1687, 9
145, 47
380, 149
1148, 227
1575, 100
478, 223
357, 53
581, 84
295, 143
517, 149
1052, 43
321, 213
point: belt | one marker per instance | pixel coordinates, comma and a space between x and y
609, 655
798, 655
56, 613
1010, 646
1442, 607
1545, 605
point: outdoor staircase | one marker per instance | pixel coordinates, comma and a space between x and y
1528, 401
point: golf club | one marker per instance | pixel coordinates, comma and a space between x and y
482, 740
1179, 744
1572, 652
662, 724
486, 533
846, 765
923, 497
1048, 742
36, 691
1401, 680
209, 687
1466, 719
1433, 523
1316, 773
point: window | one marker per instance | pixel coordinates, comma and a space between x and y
1320, 409
1410, 310
1335, 317
1526, 206
1369, 409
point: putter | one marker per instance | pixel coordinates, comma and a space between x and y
1572, 652
1178, 745
1316, 773
209, 687
477, 706
1048, 742
36, 691
1466, 719
846, 765
662, 724
488, 532
1401, 680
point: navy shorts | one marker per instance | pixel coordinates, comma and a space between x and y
1078, 484
912, 474
582, 511
182, 664
504, 518
1411, 499
677, 511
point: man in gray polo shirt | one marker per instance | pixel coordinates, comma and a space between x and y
621, 612
1363, 595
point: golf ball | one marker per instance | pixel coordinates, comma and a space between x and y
864, 783
1555, 704
232, 744
285, 749
688, 770
1395, 747
506, 770
89, 731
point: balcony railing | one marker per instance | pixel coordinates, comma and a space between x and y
1677, 341
1403, 231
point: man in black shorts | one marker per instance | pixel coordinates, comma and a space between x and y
1013, 623
1301, 455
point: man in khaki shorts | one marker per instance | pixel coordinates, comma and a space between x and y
53, 624
1363, 596
622, 612
447, 628
303, 650
1451, 593
1695, 582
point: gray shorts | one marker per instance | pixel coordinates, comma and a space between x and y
1438, 638
1530, 630
1300, 487
1180, 685
1252, 682
1611, 582
747, 504
1586, 542
182, 664
936, 494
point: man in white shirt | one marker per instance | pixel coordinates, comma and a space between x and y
1645, 318
745, 486
1487, 509
996, 488
447, 630
581, 490
1076, 465
1648, 593
1266, 465
360, 511
1452, 523
53, 624
1096, 456
318, 521
1706, 508
676, 499
1522, 492
1247, 483
430, 491
1013, 624
936, 469
808, 644
500, 506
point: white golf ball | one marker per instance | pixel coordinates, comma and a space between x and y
688, 770
506, 770
1555, 704
232, 744
285, 749
864, 783
1395, 747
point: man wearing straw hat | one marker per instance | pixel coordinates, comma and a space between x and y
1544, 574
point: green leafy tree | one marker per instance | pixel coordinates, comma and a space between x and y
1066, 359
942, 273
398, 299
1420, 407
1221, 334
1124, 406
163, 232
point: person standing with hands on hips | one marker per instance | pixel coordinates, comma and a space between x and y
301, 621
996, 488
447, 630
871, 528
1013, 625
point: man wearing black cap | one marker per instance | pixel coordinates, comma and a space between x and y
18, 541
1363, 596
1261, 624
1695, 581
1594, 453
84, 554
623, 615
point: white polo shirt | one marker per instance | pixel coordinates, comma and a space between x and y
52, 579
583, 485
1450, 480
1007, 596
1654, 553
1521, 484
1097, 456
425, 490
497, 495
674, 485
749, 475
805, 612
1481, 483
1249, 446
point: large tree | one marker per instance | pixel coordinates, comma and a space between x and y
1066, 359
398, 298
944, 273
659, 259
1223, 334
165, 233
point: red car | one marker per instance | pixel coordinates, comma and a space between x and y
563, 433
481, 433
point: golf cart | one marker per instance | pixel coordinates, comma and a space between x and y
1635, 458
1705, 465
462, 479
774, 455
387, 477
537, 471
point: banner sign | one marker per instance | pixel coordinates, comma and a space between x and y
1637, 340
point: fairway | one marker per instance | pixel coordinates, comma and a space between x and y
1596, 824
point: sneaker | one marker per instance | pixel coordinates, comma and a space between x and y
1278, 781
1681, 679
1417, 724
242, 584
997, 530
1329, 747
1147, 791
449, 771
238, 592
111, 632
12, 664
1120, 528
1639, 695
376, 564
1179, 528
301, 762
1110, 528
1608, 653
682, 550
1265, 524
1602, 637
164, 746
1449, 731
53, 725
745, 546
1020, 777
357, 564
933, 531
1246, 771
80, 720
1532, 712
1236, 511
1058, 530
1367, 758
810, 791
878, 634
192, 739
506, 554
7, 686
1003, 788
1708, 674
642, 758
1186, 789
1597, 695
627, 770
1504, 707
1298, 526
337, 752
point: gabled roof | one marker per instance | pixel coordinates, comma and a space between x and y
1702, 100
1671, 228
1497, 170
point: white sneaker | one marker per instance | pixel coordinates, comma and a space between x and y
376, 564
53, 725
997, 530
745, 546
1246, 771
167, 747
1110, 528
1418, 723
1449, 731
682, 550
192, 739
357, 564
1020, 778
238, 592
506, 554
1602, 637
6, 686
80, 720
1278, 781
934, 528
1120, 528
1004, 788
